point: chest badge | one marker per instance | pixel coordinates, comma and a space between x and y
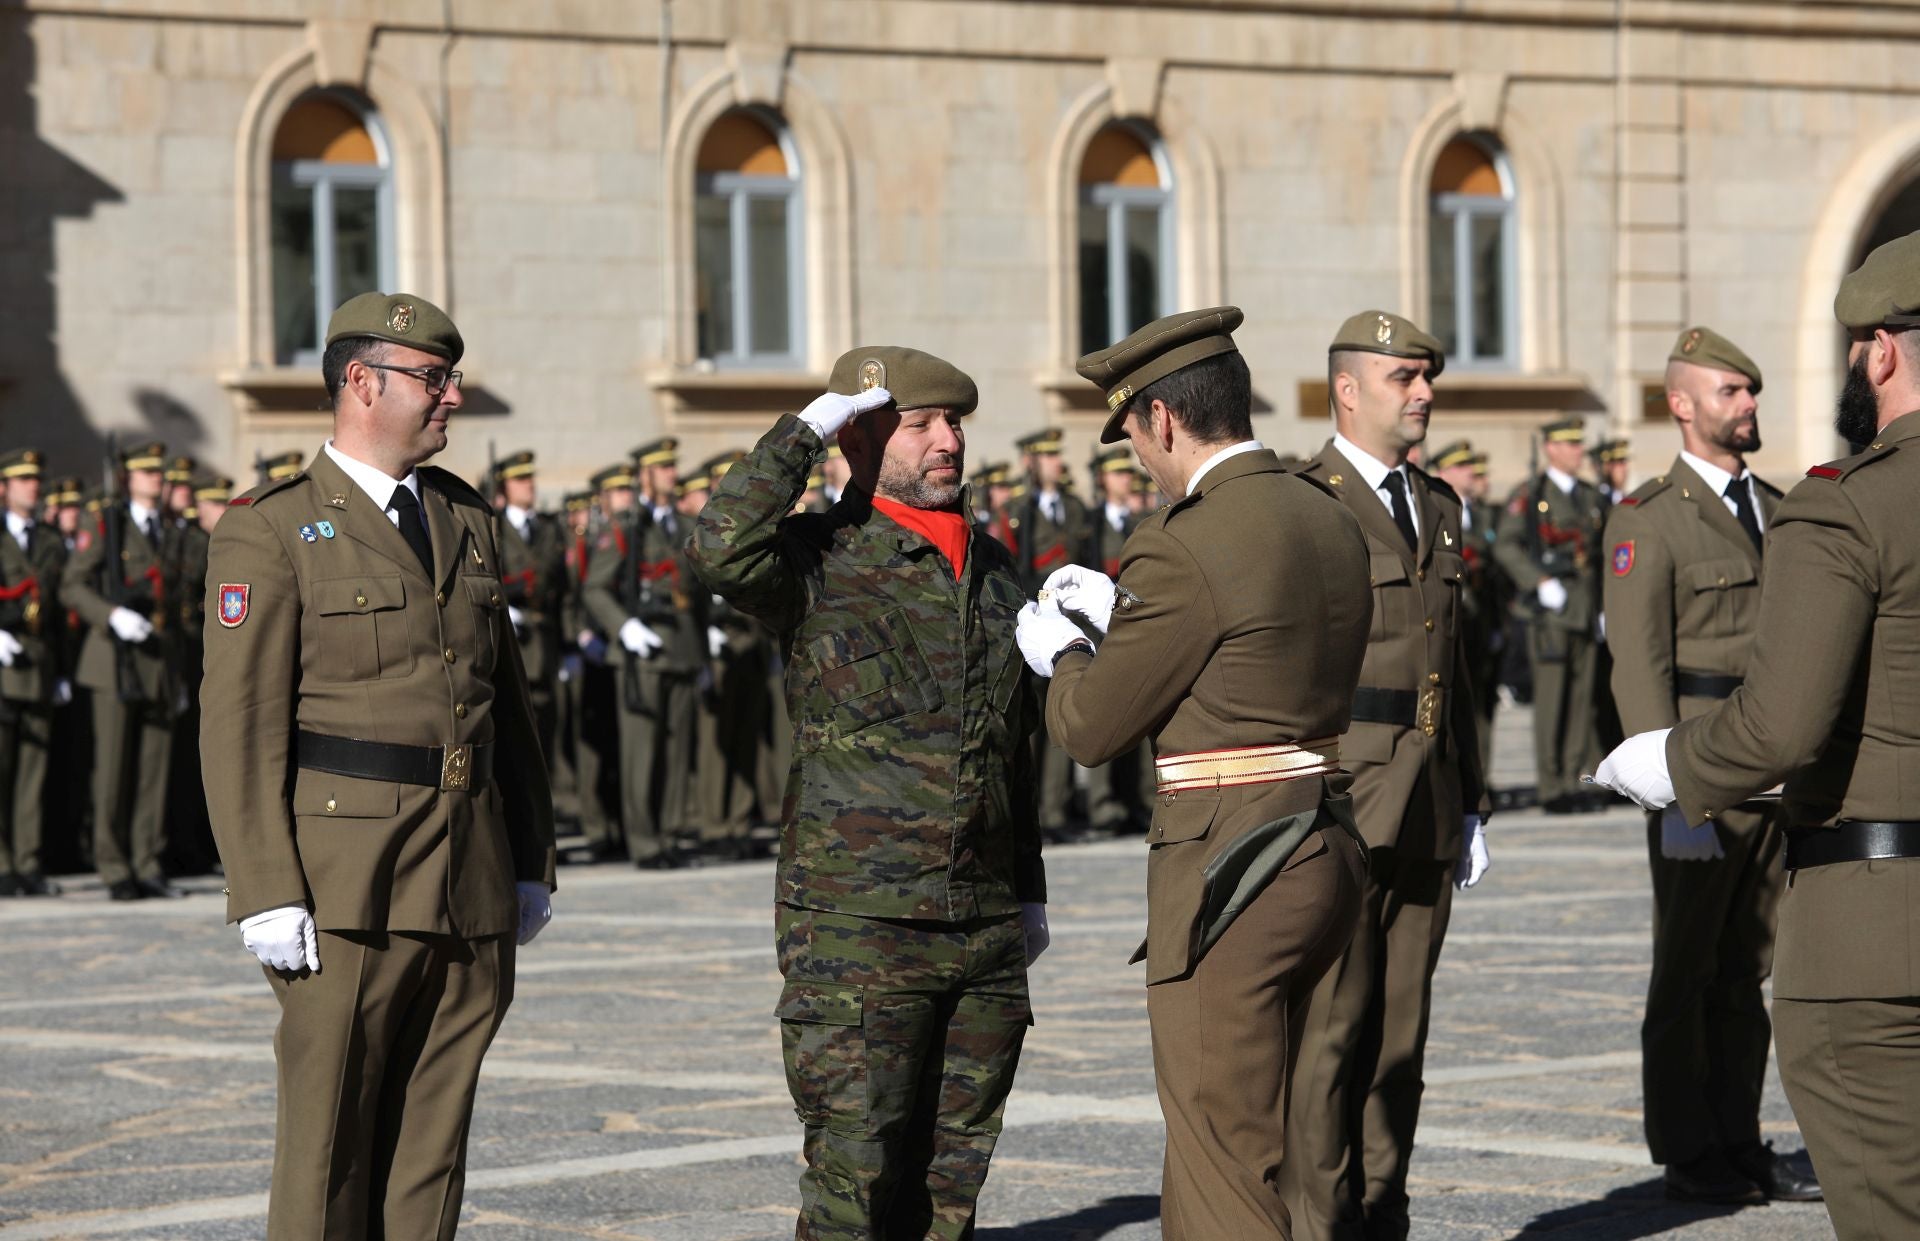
234, 598
307, 534
325, 528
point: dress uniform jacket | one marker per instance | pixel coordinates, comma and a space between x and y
1045, 544
320, 619
149, 584
1682, 589
31, 610
533, 575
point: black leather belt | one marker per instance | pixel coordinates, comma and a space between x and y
1851, 840
1386, 706
1704, 684
430, 766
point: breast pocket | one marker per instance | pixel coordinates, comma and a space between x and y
363, 628
1450, 570
1388, 574
870, 673
1723, 590
487, 604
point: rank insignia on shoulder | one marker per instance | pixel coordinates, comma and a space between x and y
234, 597
325, 528
306, 532
1623, 558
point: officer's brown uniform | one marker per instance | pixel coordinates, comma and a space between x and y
334, 653
533, 576
1044, 545
1415, 756
136, 696
1120, 794
31, 611
1242, 622
1683, 600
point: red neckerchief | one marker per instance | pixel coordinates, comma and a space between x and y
948, 531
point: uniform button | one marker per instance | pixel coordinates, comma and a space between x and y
494, 600
1723, 581
1427, 729
450, 655
440, 597
361, 600
1420, 575
1433, 678
460, 711
1429, 624
330, 805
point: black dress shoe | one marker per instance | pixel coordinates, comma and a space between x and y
1783, 1178
126, 890
9, 885
37, 884
1711, 1178
159, 888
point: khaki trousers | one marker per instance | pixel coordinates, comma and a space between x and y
656, 764
1225, 1038
1565, 711
1706, 1035
26, 740
379, 1054
1360, 1074
1852, 1073
133, 747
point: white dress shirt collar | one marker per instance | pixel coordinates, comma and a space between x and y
19, 527
1116, 515
1711, 474
374, 481
1232, 450
1563, 480
142, 516
1375, 471
519, 517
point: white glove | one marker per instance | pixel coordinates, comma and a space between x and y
536, 908
1637, 770
1033, 920
1681, 842
1474, 860
519, 620
10, 649
129, 626
1083, 592
62, 692
639, 639
830, 411
1552, 594
1043, 633
716, 641
283, 939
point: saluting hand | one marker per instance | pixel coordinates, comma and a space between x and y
831, 411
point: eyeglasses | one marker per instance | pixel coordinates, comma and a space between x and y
436, 379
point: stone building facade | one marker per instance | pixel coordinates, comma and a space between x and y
668, 216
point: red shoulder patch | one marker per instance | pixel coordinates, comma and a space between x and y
1630, 501
1823, 471
1623, 558
240, 502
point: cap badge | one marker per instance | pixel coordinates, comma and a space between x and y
1692, 342
1119, 396
400, 318
1383, 331
873, 374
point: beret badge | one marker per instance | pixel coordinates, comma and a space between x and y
1383, 330
400, 318
873, 374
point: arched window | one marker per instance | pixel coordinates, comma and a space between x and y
1126, 235
1470, 253
747, 243
332, 217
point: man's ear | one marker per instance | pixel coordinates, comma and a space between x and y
1882, 364
1161, 423
1680, 405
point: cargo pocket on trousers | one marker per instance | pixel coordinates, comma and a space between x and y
824, 1046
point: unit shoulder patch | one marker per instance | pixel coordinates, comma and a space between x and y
1623, 558
235, 599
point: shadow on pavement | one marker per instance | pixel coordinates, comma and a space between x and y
1086, 1224
1626, 1213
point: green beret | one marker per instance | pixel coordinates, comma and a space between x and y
1460, 452
1154, 352
1565, 431
1377, 331
917, 380
1884, 290
399, 318
20, 463
1702, 346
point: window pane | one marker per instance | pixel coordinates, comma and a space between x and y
294, 329
1143, 266
1441, 319
713, 274
356, 242
1489, 261
1096, 331
768, 291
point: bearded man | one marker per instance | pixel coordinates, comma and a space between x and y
909, 888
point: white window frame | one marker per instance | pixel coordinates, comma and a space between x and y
1115, 200
740, 189
1459, 211
321, 177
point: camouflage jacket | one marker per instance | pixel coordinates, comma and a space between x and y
910, 794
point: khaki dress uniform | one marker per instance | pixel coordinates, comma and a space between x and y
909, 843
1046, 544
1120, 794
190, 845
589, 717
533, 576
1683, 584
378, 766
638, 568
136, 695
1235, 643
1414, 751
1547, 532
31, 611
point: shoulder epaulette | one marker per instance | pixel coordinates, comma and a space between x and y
454, 487
1320, 483
1834, 471
1646, 491
264, 490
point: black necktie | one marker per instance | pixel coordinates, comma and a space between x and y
1742, 498
413, 526
1396, 487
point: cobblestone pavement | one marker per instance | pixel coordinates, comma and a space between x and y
635, 1088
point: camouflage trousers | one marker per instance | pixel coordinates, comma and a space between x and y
900, 1041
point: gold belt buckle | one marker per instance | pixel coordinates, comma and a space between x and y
1429, 711
456, 769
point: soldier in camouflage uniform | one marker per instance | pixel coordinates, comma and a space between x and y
909, 883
